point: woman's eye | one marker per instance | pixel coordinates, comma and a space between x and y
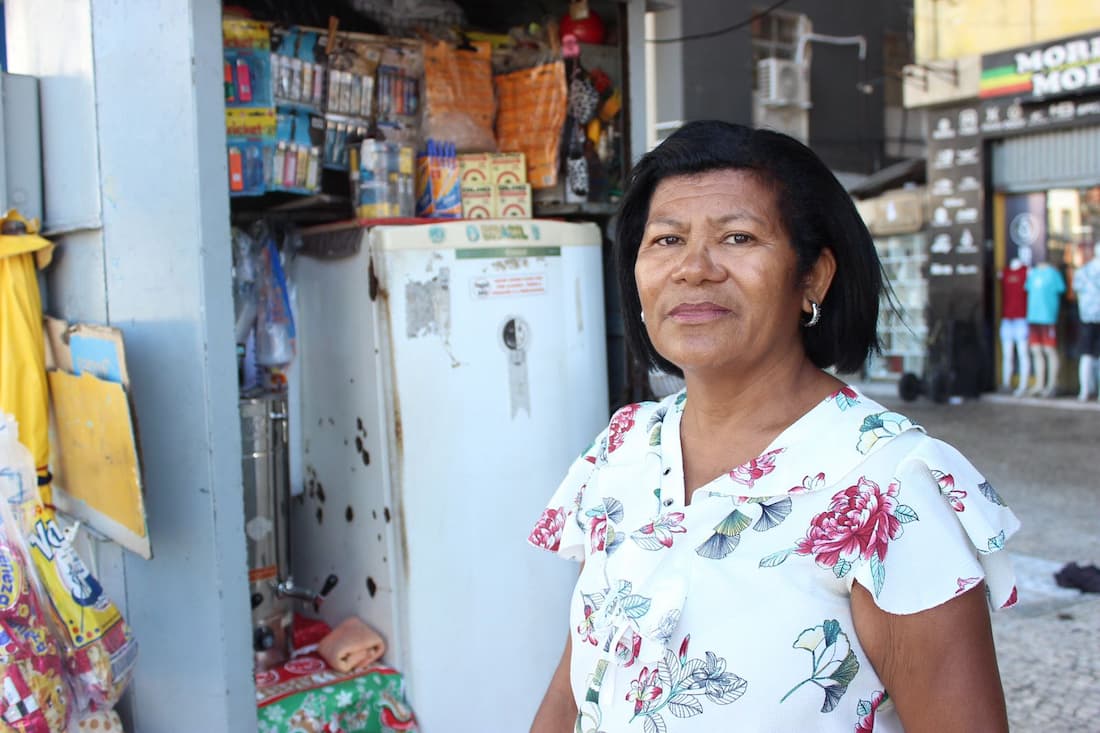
739, 238
667, 240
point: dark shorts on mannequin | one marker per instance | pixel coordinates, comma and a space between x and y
1042, 335
1089, 343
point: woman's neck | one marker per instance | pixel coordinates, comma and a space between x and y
761, 396
730, 420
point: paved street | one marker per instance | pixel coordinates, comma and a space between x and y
1043, 457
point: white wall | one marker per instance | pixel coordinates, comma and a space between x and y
636, 54
668, 65
134, 142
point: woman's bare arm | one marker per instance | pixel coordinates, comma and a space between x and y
558, 711
938, 665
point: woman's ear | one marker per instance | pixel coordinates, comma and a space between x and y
819, 279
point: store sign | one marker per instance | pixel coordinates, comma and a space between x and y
1065, 67
955, 169
1008, 115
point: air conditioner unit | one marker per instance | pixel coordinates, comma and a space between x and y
782, 83
788, 119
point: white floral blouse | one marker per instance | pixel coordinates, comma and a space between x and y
733, 613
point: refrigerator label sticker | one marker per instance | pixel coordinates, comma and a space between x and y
496, 253
504, 286
515, 336
428, 307
501, 231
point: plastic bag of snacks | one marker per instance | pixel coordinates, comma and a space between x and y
98, 649
36, 694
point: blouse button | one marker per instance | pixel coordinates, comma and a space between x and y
668, 502
667, 471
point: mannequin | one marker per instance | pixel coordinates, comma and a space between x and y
1044, 286
1086, 283
1014, 325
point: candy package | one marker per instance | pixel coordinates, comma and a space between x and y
97, 648
36, 695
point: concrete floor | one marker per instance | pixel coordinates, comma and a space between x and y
1043, 456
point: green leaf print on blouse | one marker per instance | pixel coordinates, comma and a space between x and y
991, 493
727, 534
881, 425
994, 543
834, 663
726, 537
656, 420
680, 686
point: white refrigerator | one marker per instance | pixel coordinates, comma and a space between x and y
450, 373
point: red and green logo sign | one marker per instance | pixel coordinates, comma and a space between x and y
1059, 68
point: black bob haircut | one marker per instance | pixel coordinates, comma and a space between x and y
816, 213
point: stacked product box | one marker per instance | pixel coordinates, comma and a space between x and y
494, 186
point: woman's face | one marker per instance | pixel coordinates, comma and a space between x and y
717, 275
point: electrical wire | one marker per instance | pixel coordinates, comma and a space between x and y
721, 31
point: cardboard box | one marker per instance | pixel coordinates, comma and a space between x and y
479, 201
514, 201
507, 168
473, 168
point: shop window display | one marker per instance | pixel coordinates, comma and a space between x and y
1047, 312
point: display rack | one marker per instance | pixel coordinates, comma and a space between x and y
904, 331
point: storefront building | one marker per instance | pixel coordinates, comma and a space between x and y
1013, 152
136, 195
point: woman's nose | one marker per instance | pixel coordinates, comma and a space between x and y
697, 264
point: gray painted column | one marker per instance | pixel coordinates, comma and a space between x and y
137, 83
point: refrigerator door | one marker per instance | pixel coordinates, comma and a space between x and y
342, 521
493, 343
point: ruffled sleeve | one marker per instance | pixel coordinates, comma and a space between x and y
558, 530
941, 530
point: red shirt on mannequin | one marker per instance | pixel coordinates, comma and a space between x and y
1014, 300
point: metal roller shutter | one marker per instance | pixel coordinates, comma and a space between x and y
1061, 159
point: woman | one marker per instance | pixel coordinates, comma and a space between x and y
769, 549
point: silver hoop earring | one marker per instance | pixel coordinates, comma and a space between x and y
815, 315
643, 316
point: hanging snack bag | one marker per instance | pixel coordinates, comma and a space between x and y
460, 101
36, 695
100, 650
96, 645
533, 107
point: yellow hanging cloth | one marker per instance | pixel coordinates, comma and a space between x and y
23, 389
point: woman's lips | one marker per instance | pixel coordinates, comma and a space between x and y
697, 312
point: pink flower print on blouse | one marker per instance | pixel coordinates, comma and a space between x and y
1013, 597
947, 487
756, 469
658, 533
809, 483
586, 628
597, 532
547, 531
621, 423
859, 525
866, 711
627, 652
644, 690
965, 584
